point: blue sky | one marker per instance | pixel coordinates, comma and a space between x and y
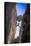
21, 7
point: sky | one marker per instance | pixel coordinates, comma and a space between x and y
21, 7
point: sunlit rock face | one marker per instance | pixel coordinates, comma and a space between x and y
10, 22
18, 25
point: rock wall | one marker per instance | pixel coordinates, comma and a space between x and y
26, 26
10, 21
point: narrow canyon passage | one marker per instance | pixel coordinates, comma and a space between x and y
17, 23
